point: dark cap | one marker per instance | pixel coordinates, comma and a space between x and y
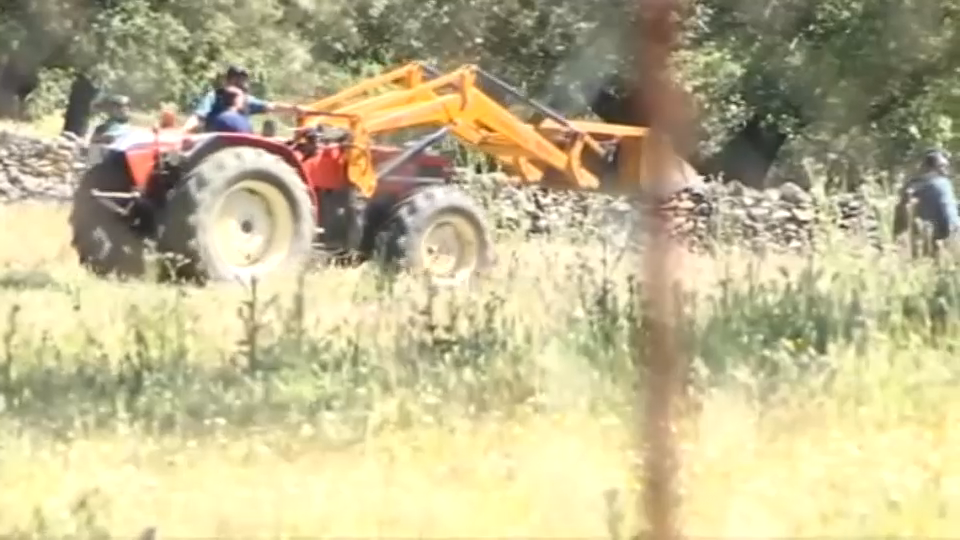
239, 76
935, 159
237, 71
116, 100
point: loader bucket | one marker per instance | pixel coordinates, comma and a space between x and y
630, 170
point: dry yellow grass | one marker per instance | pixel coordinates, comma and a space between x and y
867, 457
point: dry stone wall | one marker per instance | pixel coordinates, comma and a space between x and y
785, 217
33, 168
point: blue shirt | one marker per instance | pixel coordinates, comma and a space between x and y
208, 102
936, 204
231, 122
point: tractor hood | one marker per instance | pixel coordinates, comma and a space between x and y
135, 140
137, 137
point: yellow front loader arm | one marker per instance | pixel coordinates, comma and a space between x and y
409, 76
456, 100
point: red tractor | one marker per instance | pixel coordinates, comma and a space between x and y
234, 207
228, 206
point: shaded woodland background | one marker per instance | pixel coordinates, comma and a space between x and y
838, 92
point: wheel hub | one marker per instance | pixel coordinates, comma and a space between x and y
253, 225
450, 248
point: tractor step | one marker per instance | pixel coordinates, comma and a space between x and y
122, 195
109, 199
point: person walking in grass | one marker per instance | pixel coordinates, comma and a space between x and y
928, 200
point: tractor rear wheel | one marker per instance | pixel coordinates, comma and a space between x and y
104, 243
437, 231
239, 214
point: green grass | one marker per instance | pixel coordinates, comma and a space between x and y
342, 405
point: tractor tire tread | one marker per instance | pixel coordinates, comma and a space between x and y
104, 243
396, 241
187, 209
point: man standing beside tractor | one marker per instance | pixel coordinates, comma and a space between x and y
213, 103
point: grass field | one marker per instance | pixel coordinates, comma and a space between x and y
342, 405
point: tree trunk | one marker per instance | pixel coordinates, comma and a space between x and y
18, 79
615, 105
749, 154
76, 119
9, 104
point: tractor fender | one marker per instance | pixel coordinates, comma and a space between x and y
199, 147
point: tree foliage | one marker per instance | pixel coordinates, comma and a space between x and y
835, 85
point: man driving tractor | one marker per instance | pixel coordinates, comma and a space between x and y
117, 109
214, 102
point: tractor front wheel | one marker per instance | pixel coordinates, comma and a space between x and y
439, 232
105, 244
240, 214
